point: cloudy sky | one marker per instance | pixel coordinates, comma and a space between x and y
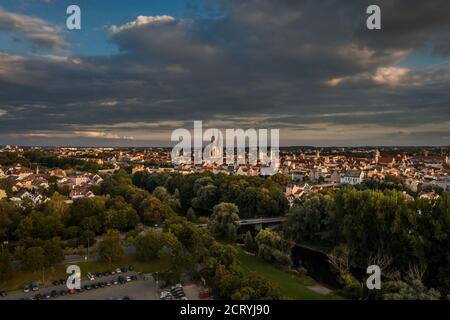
140, 69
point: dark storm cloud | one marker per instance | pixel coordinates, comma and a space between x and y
309, 68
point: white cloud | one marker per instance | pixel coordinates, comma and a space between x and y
142, 21
334, 82
390, 75
111, 103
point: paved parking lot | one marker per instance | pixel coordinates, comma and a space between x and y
136, 290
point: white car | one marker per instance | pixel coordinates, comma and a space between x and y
164, 295
90, 276
26, 289
118, 270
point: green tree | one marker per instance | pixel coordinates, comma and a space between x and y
190, 215
120, 215
110, 248
53, 251
5, 264
161, 193
34, 258
148, 245
153, 211
312, 220
223, 223
9, 219
272, 248
249, 242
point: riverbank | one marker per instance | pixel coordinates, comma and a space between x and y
292, 286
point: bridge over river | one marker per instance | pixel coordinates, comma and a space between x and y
256, 221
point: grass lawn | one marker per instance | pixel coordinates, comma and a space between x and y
292, 286
20, 278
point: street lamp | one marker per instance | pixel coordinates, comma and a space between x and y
156, 273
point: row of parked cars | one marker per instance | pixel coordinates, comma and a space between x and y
52, 294
63, 292
32, 287
175, 293
92, 276
115, 281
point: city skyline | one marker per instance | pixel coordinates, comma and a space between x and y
136, 72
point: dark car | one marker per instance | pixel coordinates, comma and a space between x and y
34, 286
95, 286
63, 292
124, 269
130, 268
134, 278
47, 295
102, 284
38, 297
88, 287
54, 294
121, 280
56, 283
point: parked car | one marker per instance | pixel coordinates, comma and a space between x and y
34, 286
118, 270
62, 292
165, 295
134, 278
115, 281
54, 294
128, 278
90, 276
3, 294
88, 287
26, 289
47, 295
